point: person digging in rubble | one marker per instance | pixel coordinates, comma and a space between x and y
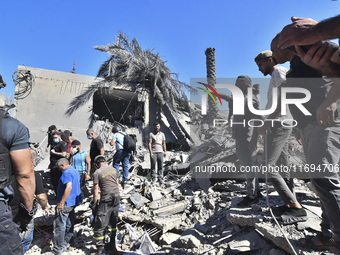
68, 197
320, 136
157, 148
96, 147
277, 145
121, 155
246, 139
105, 181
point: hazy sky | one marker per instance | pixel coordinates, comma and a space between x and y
54, 34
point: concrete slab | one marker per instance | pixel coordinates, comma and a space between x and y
248, 242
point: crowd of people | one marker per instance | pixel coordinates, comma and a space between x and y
314, 66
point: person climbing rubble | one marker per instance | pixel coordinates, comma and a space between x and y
121, 155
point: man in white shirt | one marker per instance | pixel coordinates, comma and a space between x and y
277, 135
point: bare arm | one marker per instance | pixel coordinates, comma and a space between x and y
88, 162
102, 151
24, 173
305, 31
67, 192
95, 193
112, 142
42, 200
164, 148
150, 148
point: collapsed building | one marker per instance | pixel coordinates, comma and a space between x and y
183, 216
42, 98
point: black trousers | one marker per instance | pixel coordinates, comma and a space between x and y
105, 222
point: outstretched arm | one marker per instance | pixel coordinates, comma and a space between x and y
305, 31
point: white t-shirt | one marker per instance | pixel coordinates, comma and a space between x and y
278, 76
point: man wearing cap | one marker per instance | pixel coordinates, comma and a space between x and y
81, 160
51, 129
277, 134
105, 179
246, 140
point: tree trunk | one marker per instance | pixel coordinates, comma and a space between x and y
211, 77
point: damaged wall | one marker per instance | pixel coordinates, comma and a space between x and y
47, 101
43, 96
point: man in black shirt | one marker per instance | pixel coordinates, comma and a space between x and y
58, 151
321, 143
96, 148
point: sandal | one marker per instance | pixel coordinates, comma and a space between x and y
308, 242
293, 215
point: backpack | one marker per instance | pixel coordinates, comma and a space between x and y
129, 143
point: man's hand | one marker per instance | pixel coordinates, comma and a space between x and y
151, 154
326, 112
87, 177
300, 32
60, 207
318, 56
47, 210
164, 153
46, 149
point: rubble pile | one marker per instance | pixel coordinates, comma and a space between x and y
192, 213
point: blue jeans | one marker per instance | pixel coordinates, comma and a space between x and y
63, 229
27, 240
124, 157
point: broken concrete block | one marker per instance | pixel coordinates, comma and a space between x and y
169, 238
188, 241
153, 205
138, 200
211, 204
202, 228
171, 209
156, 195
248, 242
166, 224
197, 203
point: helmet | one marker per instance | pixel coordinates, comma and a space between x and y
98, 159
116, 129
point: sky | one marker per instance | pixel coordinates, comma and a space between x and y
55, 34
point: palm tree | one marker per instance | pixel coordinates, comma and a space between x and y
211, 77
130, 65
